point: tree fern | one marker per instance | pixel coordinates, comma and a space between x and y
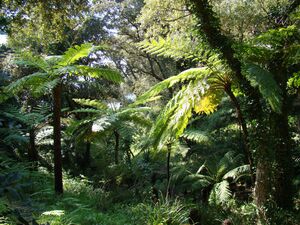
75, 53
181, 47
238, 172
220, 194
200, 137
195, 96
264, 80
92, 103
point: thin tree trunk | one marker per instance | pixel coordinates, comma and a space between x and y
243, 125
58, 182
117, 143
168, 168
32, 152
87, 154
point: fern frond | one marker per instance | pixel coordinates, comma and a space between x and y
197, 136
86, 110
175, 117
220, 193
31, 60
180, 47
106, 73
45, 87
266, 84
92, 103
75, 53
102, 124
27, 82
94, 72
185, 76
44, 136
238, 172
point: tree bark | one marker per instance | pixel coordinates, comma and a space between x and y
117, 143
168, 168
87, 154
58, 182
32, 151
243, 125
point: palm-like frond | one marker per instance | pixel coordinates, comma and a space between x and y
75, 53
181, 47
173, 120
266, 84
94, 72
198, 136
238, 172
27, 82
220, 193
92, 103
31, 60
185, 76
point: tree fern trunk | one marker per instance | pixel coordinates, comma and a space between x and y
32, 152
243, 125
283, 161
87, 154
58, 182
168, 168
117, 143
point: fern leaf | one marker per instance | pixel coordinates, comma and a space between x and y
266, 84
75, 53
238, 172
197, 136
27, 82
92, 103
220, 193
95, 72
31, 60
101, 124
187, 75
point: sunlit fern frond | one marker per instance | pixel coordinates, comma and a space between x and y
198, 136
266, 84
220, 193
30, 60
44, 136
185, 76
75, 53
28, 82
94, 72
181, 47
173, 120
238, 172
91, 103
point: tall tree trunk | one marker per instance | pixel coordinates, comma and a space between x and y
262, 190
58, 182
117, 143
32, 151
283, 171
283, 161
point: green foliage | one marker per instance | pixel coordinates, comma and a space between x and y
163, 212
200, 137
266, 84
92, 103
52, 69
196, 95
75, 53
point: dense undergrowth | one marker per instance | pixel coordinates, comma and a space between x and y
27, 197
